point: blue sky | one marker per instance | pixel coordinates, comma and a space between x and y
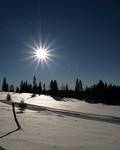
86, 37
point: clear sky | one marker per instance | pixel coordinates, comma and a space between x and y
86, 35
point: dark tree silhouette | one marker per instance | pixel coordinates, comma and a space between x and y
17, 90
66, 87
12, 89
30, 88
80, 86
103, 93
40, 88
21, 86
78, 89
44, 89
53, 88
35, 87
5, 86
77, 85
97, 93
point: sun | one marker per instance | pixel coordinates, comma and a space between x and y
41, 53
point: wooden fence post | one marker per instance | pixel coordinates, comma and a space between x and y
13, 108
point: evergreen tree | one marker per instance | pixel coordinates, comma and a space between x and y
17, 90
55, 85
51, 86
78, 89
12, 89
44, 89
66, 87
29, 88
25, 86
80, 86
35, 87
21, 86
5, 86
56, 89
77, 85
34, 81
39, 88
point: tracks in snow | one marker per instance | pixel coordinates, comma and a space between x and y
88, 116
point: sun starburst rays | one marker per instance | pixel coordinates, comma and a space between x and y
41, 54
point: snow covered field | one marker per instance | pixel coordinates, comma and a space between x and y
43, 130
67, 104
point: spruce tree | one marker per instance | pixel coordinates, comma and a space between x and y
12, 89
35, 87
5, 86
80, 86
77, 85
39, 88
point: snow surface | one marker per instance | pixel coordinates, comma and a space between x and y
66, 104
45, 130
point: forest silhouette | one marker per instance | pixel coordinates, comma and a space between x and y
97, 93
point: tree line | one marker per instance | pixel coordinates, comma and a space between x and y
97, 93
